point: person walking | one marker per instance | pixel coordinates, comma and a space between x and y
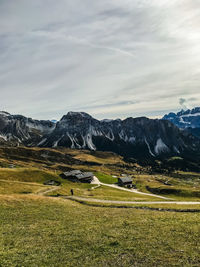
72, 192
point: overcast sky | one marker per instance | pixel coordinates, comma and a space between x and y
110, 58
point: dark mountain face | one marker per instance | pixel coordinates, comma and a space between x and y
139, 138
189, 119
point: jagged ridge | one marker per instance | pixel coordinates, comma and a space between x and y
132, 137
189, 119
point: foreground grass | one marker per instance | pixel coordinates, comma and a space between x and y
36, 231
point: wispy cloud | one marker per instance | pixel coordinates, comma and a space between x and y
113, 59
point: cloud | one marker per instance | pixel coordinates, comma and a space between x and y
187, 103
183, 103
113, 59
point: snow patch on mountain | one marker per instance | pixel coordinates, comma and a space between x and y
42, 142
190, 115
72, 141
160, 147
132, 139
110, 135
176, 149
151, 153
123, 135
4, 137
89, 142
55, 144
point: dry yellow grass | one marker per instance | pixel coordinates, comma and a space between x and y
18, 188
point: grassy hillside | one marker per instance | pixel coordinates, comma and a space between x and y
31, 176
36, 231
105, 178
9, 188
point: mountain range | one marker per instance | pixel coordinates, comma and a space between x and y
132, 137
186, 119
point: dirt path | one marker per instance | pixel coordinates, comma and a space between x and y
48, 190
97, 182
131, 202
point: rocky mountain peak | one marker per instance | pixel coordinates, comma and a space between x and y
185, 118
76, 115
4, 113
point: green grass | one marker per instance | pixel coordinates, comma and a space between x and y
36, 231
27, 175
105, 178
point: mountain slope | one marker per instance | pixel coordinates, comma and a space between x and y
139, 137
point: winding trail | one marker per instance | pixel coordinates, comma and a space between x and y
134, 191
98, 183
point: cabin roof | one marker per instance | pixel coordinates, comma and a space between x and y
125, 180
72, 173
84, 175
78, 174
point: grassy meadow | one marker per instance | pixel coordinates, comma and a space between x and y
39, 231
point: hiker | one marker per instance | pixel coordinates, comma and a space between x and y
72, 192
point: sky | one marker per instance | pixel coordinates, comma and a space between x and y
109, 58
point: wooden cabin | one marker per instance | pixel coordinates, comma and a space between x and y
125, 182
78, 176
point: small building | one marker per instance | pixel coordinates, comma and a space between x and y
78, 176
125, 182
11, 166
85, 177
71, 175
52, 182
